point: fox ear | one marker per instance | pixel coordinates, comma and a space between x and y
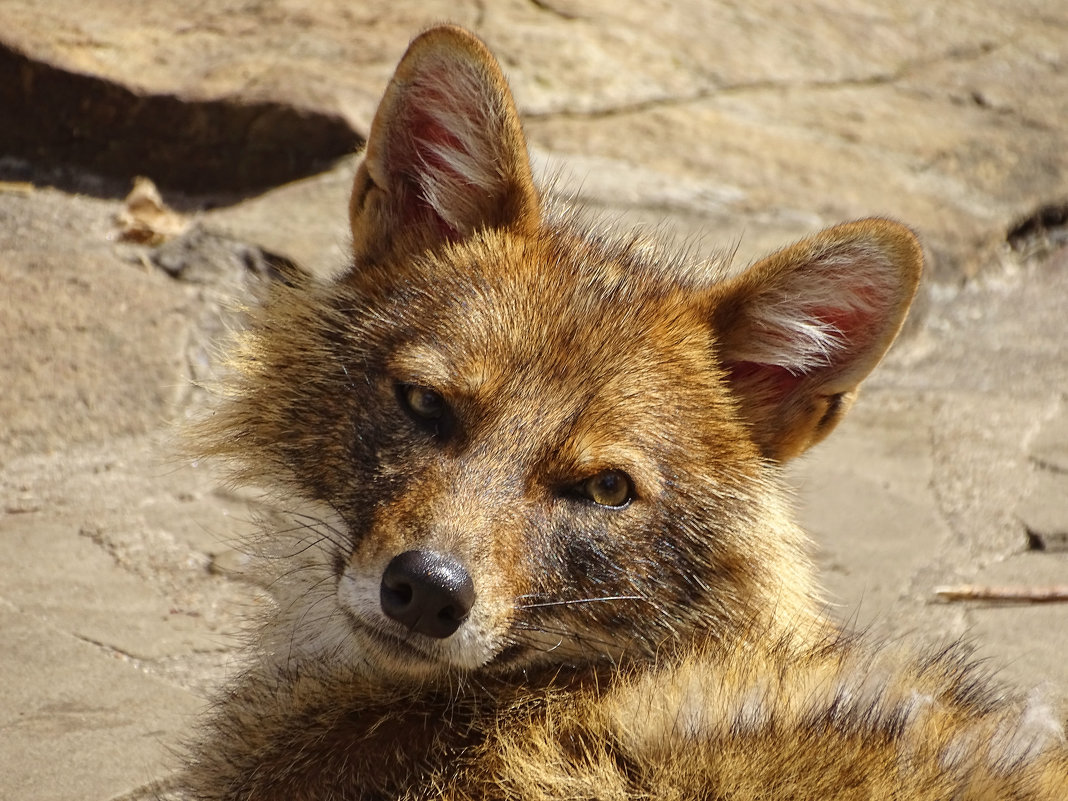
445, 156
798, 331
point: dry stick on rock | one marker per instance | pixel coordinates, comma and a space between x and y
979, 592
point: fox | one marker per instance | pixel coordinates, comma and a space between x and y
531, 538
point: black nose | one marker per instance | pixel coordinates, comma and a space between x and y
427, 592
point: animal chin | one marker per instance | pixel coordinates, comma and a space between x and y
395, 654
400, 655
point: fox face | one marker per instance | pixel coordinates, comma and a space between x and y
526, 454
503, 439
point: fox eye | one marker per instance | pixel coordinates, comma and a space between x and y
422, 403
611, 488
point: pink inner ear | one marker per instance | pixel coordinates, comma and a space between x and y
443, 148
769, 382
448, 149
791, 341
415, 155
857, 323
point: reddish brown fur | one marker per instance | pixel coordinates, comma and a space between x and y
669, 646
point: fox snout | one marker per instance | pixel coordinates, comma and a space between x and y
427, 592
429, 587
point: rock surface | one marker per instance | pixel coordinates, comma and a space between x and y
745, 125
949, 116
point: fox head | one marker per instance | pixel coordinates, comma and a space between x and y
505, 439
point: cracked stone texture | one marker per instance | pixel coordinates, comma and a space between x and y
121, 596
949, 115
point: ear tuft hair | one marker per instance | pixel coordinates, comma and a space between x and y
450, 147
446, 154
800, 330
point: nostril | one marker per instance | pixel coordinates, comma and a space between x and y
400, 595
427, 592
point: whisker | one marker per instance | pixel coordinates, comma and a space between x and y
564, 635
337, 536
303, 549
584, 601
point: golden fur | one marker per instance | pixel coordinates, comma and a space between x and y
569, 441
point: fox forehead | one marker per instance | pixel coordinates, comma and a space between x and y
516, 324
520, 308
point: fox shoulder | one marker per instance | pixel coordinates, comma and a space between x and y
846, 719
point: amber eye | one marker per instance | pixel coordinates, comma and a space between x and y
422, 403
611, 488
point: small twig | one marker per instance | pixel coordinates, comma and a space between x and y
979, 592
